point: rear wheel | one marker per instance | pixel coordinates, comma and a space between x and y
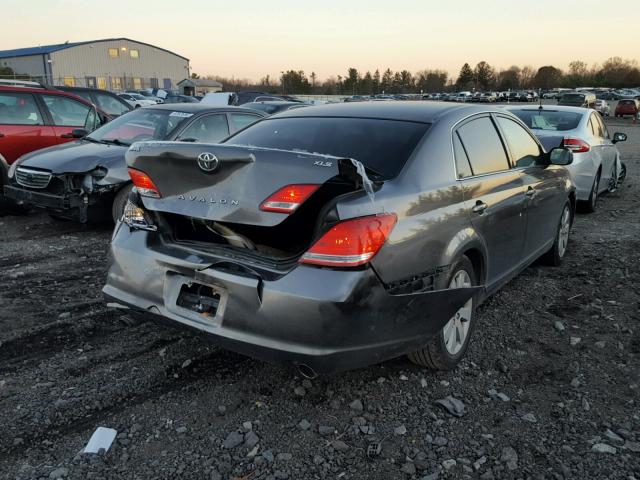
446, 349
119, 202
557, 252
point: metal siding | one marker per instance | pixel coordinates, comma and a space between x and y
93, 60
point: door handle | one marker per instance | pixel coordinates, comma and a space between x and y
66, 135
530, 192
479, 207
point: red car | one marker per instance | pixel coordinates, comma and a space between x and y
627, 107
34, 117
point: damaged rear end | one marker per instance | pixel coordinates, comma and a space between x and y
249, 244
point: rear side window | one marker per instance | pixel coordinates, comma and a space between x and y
462, 161
483, 146
65, 111
384, 146
19, 109
241, 120
524, 150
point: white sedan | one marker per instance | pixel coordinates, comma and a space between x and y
596, 166
136, 100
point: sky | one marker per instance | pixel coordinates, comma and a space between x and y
252, 38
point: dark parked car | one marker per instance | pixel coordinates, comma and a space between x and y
34, 117
108, 102
341, 235
87, 180
272, 108
180, 99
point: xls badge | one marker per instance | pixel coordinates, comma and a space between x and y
207, 162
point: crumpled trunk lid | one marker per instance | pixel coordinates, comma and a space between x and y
226, 183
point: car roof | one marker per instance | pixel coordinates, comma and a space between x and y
195, 108
413, 111
275, 102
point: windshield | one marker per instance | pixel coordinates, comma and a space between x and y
137, 96
549, 119
140, 125
381, 145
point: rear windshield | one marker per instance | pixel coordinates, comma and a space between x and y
381, 145
627, 102
549, 119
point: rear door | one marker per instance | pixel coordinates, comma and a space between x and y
66, 115
543, 186
22, 126
609, 152
494, 195
238, 121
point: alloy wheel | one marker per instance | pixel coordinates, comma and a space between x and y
456, 330
563, 232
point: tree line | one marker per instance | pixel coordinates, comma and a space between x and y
615, 72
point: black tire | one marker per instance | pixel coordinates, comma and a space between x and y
119, 202
592, 203
557, 252
434, 354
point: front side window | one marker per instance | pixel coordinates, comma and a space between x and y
241, 120
483, 146
113, 53
595, 127
524, 150
384, 146
19, 109
207, 129
110, 105
66, 112
140, 125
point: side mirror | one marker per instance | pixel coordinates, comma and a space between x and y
619, 137
79, 133
560, 156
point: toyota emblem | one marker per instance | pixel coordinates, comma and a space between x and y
207, 162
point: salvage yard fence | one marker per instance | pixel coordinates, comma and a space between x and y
102, 81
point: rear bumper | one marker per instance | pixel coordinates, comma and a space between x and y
72, 206
325, 319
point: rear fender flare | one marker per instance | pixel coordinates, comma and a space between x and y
465, 240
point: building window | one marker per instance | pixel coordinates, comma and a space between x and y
69, 82
154, 82
113, 53
116, 83
102, 83
134, 53
137, 83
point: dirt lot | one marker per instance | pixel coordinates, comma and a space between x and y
550, 384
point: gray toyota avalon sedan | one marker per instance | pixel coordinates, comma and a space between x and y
337, 236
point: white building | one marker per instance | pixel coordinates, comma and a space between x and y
114, 64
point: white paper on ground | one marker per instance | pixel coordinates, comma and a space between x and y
102, 438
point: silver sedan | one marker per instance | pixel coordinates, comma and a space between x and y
596, 166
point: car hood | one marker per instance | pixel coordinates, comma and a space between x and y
77, 157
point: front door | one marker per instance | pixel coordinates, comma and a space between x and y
66, 115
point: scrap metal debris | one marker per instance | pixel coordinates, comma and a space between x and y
452, 405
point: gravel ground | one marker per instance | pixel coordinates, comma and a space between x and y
550, 385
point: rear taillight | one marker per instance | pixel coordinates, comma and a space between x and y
576, 145
351, 242
144, 184
288, 199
